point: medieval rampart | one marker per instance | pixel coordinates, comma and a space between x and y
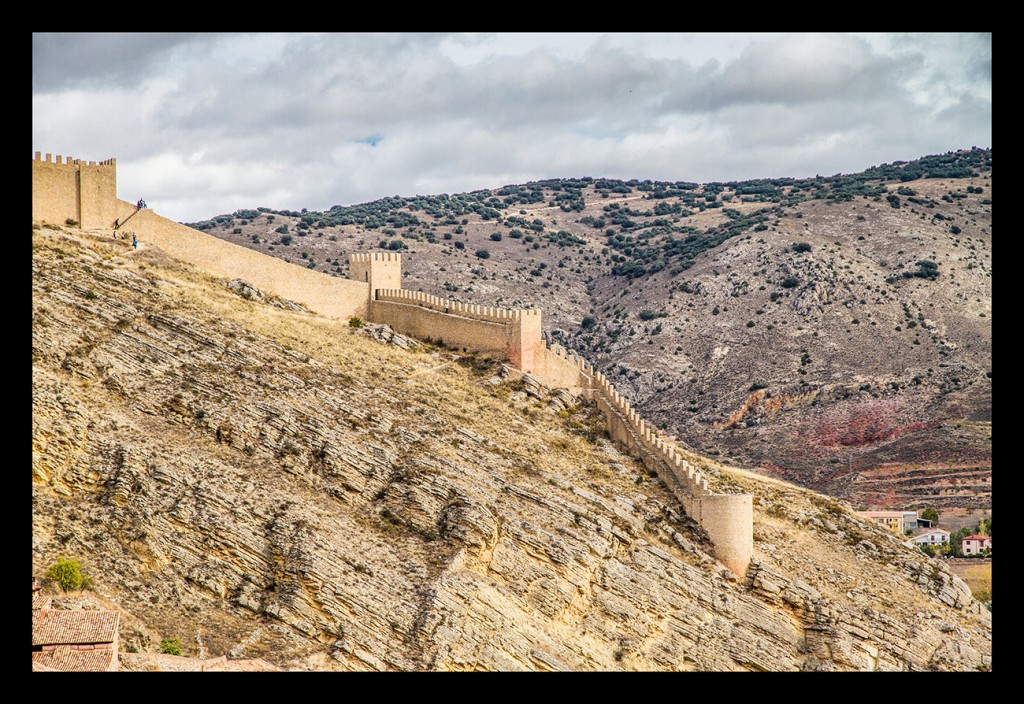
72, 189
498, 332
327, 295
85, 192
728, 519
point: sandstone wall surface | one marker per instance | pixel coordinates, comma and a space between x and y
327, 295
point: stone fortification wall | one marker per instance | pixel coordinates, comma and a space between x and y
491, 339
728, 519
86, 192
68, 188
497, 332
377, 269
557, 367
327, 295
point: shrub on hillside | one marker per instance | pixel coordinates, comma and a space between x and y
67, 574
170, 646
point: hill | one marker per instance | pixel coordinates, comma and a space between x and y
833, 331
261, 482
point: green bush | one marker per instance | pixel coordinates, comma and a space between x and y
802, 247
170, 646
67, 574
355, 322
483, 254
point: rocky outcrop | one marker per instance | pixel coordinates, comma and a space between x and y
280, 487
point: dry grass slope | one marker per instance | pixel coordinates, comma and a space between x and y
268, 483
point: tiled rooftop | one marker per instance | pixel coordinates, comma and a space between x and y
60, 626
67, 659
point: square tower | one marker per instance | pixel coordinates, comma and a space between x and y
381, 270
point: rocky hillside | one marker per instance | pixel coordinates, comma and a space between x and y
831, 331
264, 483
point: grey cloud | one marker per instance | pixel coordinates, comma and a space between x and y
802, 69
63, 60
285, 122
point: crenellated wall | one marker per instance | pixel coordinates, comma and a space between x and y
85, 191
728, 519
73, 189
378, 269
497, 332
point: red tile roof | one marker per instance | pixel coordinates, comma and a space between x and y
40, 601
66, 659
60, 626
978, 537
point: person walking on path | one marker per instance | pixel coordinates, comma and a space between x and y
135, 242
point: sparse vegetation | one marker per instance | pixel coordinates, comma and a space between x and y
67, 574
170, 646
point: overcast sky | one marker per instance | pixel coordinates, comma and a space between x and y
205, 124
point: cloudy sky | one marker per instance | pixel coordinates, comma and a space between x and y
204, 124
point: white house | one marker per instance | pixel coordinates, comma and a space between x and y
936, 536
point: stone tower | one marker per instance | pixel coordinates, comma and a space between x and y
381, 270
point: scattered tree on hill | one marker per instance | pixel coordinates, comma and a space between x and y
170, 646
67, 574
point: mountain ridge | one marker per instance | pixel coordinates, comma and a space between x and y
857, 305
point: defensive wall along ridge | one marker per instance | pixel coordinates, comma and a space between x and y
85, 192
73, 190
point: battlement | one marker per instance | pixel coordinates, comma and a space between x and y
727, 518
466, 310
650, 440
70, 161
70, 189
364, 257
